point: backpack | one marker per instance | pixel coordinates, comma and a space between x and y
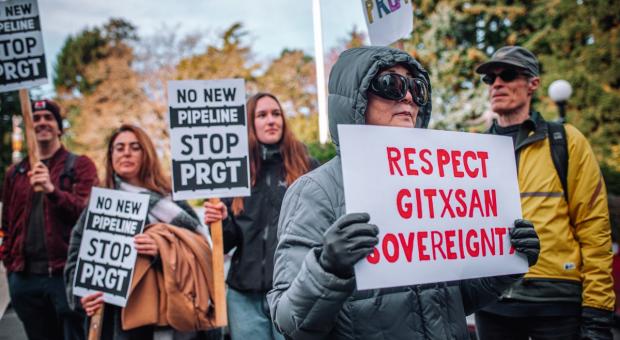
67, 177
559, 153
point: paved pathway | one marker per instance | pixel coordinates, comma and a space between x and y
10, 327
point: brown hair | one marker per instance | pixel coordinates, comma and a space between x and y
151, 175
294, 154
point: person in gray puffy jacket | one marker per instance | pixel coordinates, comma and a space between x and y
314, 295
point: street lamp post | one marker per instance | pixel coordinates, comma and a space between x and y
559, 92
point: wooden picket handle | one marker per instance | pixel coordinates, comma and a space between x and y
33, 149
96, 322
219, 300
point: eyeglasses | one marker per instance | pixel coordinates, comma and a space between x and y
45, 116
394, 86
506, 75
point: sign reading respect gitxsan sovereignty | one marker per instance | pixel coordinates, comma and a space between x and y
22, 57
208, 138
107, 255
443, 201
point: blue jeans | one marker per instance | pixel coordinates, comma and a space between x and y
41, 305
248, 317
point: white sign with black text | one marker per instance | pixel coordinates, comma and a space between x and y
107, 254
208, 138
22, 57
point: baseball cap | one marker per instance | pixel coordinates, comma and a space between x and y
511, 56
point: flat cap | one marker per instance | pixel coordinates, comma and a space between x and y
513, 57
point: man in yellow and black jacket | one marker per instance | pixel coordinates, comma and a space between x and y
569, 293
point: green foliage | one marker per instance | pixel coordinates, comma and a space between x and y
322, 152
574, 40
87, 47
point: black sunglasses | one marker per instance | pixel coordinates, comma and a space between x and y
394, 86
506, 75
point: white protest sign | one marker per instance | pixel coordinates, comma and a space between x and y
107, 255
208, 138
388, 20
22, 58
443, 201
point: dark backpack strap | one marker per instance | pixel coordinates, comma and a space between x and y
67, 178
559, 153
19, 169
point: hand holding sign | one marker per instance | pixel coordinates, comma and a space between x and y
215, 212
210, 157
524, 239
92, 302
40, 177
346, 242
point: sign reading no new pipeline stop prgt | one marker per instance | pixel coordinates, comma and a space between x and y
107, 255
22, 57
208, 138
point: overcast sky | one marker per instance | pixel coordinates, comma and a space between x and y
273, 24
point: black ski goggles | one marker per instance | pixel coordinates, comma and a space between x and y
394, 86
506, 75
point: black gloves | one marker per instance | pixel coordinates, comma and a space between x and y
596, 324
347, 241
524, 239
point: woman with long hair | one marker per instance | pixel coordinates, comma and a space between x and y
131, 165
277, 159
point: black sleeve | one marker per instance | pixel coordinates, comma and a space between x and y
314, 163
230, 229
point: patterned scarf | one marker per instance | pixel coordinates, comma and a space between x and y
162, 209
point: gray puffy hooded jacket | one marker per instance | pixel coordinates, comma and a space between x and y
309, 303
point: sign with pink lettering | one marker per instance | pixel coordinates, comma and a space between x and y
388, 20
444, 203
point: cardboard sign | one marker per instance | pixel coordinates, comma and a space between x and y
208, 138
443, 201
388, 20
22, 57
107, 254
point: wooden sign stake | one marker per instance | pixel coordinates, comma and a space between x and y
33, 149
96, 321
218, 271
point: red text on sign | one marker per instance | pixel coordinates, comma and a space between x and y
446, 203
437, 245
455, 163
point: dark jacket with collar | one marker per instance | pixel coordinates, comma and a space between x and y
61, 209
253, 232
